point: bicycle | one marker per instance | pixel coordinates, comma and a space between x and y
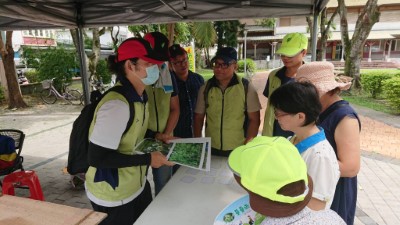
99, 85
49, 94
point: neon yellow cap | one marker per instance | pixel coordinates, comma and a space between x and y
293, 44
266, 164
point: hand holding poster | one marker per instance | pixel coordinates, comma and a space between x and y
190, 152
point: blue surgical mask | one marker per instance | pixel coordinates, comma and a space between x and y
153, 73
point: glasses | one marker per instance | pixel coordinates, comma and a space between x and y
181, 63
216, 65
279, 114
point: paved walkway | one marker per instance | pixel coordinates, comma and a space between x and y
46, 149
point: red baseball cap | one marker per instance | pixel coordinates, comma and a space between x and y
137, 48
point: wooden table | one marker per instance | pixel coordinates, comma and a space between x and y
24, 211
193, 197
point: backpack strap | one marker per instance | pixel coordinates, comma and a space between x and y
245, 83
120, 90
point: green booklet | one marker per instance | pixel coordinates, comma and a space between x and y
190, 152
239, 212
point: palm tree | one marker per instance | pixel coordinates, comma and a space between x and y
205, 37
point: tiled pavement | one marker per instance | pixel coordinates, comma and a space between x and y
46, 149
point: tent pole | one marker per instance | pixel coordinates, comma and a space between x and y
314, 38
83, 71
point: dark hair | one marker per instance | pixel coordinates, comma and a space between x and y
176, 50
118, 67
295, 97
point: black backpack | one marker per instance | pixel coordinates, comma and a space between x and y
79, 138
245, 83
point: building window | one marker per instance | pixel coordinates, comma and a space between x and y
284, 22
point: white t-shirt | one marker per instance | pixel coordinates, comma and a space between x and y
111, 121
307, 217
322, 166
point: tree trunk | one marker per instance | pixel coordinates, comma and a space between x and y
94, 57
355, 47
171, 33
114, 38
310, 26
325, 29
14, 92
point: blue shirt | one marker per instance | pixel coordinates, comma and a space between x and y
188, 91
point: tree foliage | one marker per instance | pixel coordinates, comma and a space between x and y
57, 63
266, 22
103, 72
227, 32
30, 56
181, 32
140, 30
205, 37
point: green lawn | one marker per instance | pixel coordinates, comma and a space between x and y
208, 73
368, 102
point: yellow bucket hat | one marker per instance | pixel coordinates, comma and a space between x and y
273, 172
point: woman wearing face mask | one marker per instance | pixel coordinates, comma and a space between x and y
116, 181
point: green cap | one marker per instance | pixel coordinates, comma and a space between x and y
267, 164
293, 44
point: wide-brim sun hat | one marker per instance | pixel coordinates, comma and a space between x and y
137, 48
293, 44
274, 174
322, 75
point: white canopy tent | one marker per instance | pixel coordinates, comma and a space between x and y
78, 14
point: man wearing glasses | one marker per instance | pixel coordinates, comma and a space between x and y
189, 84
292, 51
230, 105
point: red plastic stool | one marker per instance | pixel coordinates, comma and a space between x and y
22, 179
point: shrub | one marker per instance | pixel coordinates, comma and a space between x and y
250, 64
391, 88
31, 56
103, 72
57, 63
371, 81
32, 76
